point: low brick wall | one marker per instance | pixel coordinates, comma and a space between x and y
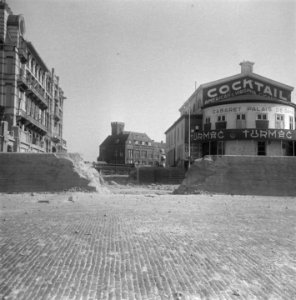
242, 175
160, 175
32, 172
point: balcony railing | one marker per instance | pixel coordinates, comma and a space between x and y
23, 54
57, 113
30, 119
39, 94
56, 137
22, 81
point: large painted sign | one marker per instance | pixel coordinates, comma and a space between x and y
244, 86
245, 134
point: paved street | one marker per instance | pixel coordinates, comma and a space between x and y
91, 246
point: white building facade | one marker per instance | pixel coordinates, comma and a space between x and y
245, 114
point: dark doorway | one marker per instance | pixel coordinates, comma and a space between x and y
290, 148
206, 149
261, 148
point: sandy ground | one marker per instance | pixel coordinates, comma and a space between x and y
142, 242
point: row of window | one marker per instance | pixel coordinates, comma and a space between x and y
36, 112
279, 120
141, 162
42, 76
143, 154
140, 143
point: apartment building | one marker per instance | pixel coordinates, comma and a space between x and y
31, 98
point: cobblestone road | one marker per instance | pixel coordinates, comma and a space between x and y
147, 247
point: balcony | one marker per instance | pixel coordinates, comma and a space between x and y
23, 54
57, 113
56, 137
262, 124
38, 93
22, 81
31, 122
221, 125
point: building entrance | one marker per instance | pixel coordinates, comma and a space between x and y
290, 148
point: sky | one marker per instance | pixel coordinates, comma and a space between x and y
138, 61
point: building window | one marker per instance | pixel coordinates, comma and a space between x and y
207, 125
241, 117
136, 142
221, 118
137, 154
130, 153
261, 148
261, 116
279, 121
291, 127
262, 121
221, 122
240, 121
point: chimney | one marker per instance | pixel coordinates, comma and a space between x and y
117, 128
246, 67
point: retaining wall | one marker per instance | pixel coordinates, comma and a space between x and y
34, 172
242, 175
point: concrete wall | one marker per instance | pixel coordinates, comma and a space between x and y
242, 175
160, 175
32, 172
242, 147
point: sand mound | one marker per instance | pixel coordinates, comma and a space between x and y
32, 172
241, 175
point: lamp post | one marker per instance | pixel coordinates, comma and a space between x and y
189, 137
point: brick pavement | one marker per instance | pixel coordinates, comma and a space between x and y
147, 247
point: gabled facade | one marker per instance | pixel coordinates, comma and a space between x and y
31, 99
128, 147
245, 114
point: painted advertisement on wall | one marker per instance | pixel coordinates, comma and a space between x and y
245, 134
244, 86
249, 107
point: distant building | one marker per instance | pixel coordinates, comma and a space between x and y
31, 99
128, 147
244, 114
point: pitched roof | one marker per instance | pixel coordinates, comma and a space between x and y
116, 139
